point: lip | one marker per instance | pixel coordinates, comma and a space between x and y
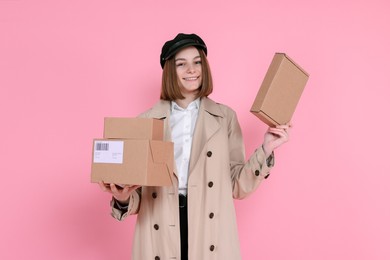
191, 78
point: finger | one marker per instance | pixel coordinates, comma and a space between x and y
126, 189
133, 188
276, 131
289, 124
119, 187
130, 188
113, 188
280, 133
284, 127
102, 186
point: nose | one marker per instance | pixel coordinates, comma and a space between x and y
191, 68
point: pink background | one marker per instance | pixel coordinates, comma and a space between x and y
65, 65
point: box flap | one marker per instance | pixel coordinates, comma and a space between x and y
162, 155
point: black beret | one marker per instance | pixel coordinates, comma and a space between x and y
181, 40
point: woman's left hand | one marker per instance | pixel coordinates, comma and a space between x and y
275, 137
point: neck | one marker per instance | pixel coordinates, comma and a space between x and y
183, 103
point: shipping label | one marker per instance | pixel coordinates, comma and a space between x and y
108, 151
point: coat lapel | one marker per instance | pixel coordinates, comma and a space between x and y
162, 111
206, 126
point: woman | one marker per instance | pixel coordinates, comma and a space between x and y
195, 218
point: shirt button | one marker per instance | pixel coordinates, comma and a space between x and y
156, 227
209, 153
211, 184
212, 247
257, 172
211, 215
154, 195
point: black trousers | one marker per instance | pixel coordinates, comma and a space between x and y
183, 226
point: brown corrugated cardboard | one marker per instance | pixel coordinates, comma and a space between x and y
132, 152
133, 128
280, 91
133, 162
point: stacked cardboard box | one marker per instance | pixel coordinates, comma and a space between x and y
280, 91
133, 152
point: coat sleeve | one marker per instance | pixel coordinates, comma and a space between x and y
246, 175
132, 208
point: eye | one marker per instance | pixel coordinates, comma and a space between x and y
181, 64
198, 62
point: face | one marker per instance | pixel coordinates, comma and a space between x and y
189, 70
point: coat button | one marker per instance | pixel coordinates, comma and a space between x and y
211, 184
257, 172
156, 227
157, 258
266, 176
212, 247
209, 153
154, 195
211, 215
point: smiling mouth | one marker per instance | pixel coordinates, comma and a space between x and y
191, 78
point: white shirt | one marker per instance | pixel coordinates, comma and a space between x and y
182, 122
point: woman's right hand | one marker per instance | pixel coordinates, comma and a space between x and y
122, 195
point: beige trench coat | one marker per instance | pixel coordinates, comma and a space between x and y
218, 173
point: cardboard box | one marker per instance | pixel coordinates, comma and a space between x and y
133, 162
133, 128
280, 91
133, 152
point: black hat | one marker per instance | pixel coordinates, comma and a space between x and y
181, 40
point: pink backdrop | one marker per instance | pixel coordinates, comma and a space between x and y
65, 65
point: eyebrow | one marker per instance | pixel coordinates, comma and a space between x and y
185, 59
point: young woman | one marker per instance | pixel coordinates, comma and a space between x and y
195, 218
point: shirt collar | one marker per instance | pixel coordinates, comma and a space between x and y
193, 105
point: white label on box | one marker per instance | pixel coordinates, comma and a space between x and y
108, 152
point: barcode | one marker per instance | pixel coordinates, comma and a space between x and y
102, 146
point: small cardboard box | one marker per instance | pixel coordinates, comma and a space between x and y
133, 162
133, 128
280, 91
